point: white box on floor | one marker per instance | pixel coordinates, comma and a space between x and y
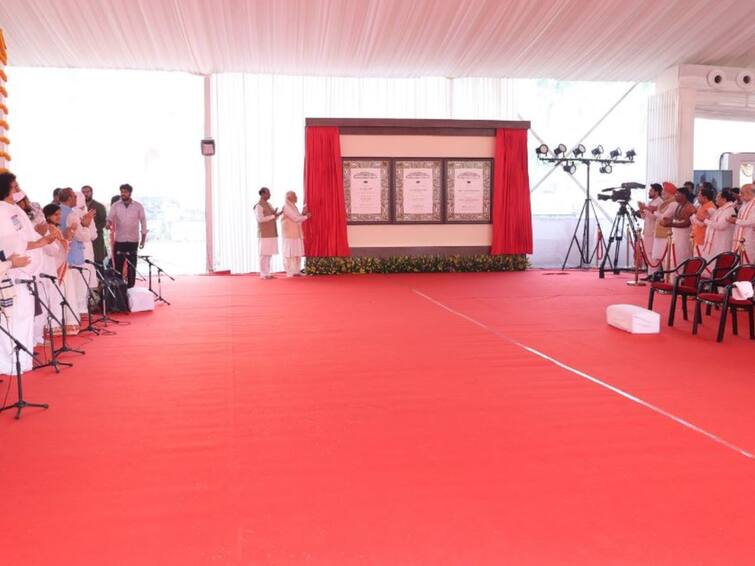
140, 299
633, 319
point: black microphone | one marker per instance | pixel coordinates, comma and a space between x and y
95, 263
46, 276
76, 267
27, 281
145, 256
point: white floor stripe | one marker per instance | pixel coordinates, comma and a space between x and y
595, 380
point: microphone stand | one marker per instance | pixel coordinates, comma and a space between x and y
159, 294
21, 404
90, 327
54, 363
64, 334
131, 265
99, 270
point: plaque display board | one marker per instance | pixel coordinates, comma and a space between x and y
367, 190
468, 190
418, 190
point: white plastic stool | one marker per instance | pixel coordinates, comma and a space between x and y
633, 319
140, 299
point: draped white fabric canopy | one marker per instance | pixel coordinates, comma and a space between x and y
562, 39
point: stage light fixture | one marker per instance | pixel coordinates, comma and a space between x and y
542, 149
631, 154
570, 168
597, 151
578, 151
559, 150
616, 153
606, 169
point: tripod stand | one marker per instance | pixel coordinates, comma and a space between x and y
159, 294
583, 246
626, 215
21, 404
54, 363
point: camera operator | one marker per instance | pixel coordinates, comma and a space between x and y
647, 211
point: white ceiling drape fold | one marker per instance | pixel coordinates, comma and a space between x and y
561, 39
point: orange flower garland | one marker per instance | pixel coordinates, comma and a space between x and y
3, 92
4, 125
4, 140
3, 108
5, 155
3, 76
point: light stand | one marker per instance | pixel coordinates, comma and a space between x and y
53, 362
583, 243
159, 293
21, 403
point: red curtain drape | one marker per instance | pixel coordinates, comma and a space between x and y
512, 216
325, 232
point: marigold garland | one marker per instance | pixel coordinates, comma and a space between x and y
3, 108
5, 155
3, 76
4, 125
3, 92
4, 140
418, 264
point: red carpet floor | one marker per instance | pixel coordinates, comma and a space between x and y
386, 420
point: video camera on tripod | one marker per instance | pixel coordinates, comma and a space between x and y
622, 194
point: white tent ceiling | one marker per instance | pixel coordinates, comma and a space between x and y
563, 39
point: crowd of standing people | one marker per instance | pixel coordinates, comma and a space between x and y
52, 252
683, 222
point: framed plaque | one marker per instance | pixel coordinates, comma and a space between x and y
367, 190
418, 185
468, 190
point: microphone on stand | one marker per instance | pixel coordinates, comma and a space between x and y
95, 263
27, 281
79, 268
46, 276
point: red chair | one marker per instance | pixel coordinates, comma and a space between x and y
728, 303
685, 284
721, 270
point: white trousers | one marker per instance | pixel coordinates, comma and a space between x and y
21, 325
265, 265
293, 265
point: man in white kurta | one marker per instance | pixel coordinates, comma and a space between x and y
744, 233
665, 211
648, 230
720, 231
86, 233
18, 238
293, 238
267, 232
